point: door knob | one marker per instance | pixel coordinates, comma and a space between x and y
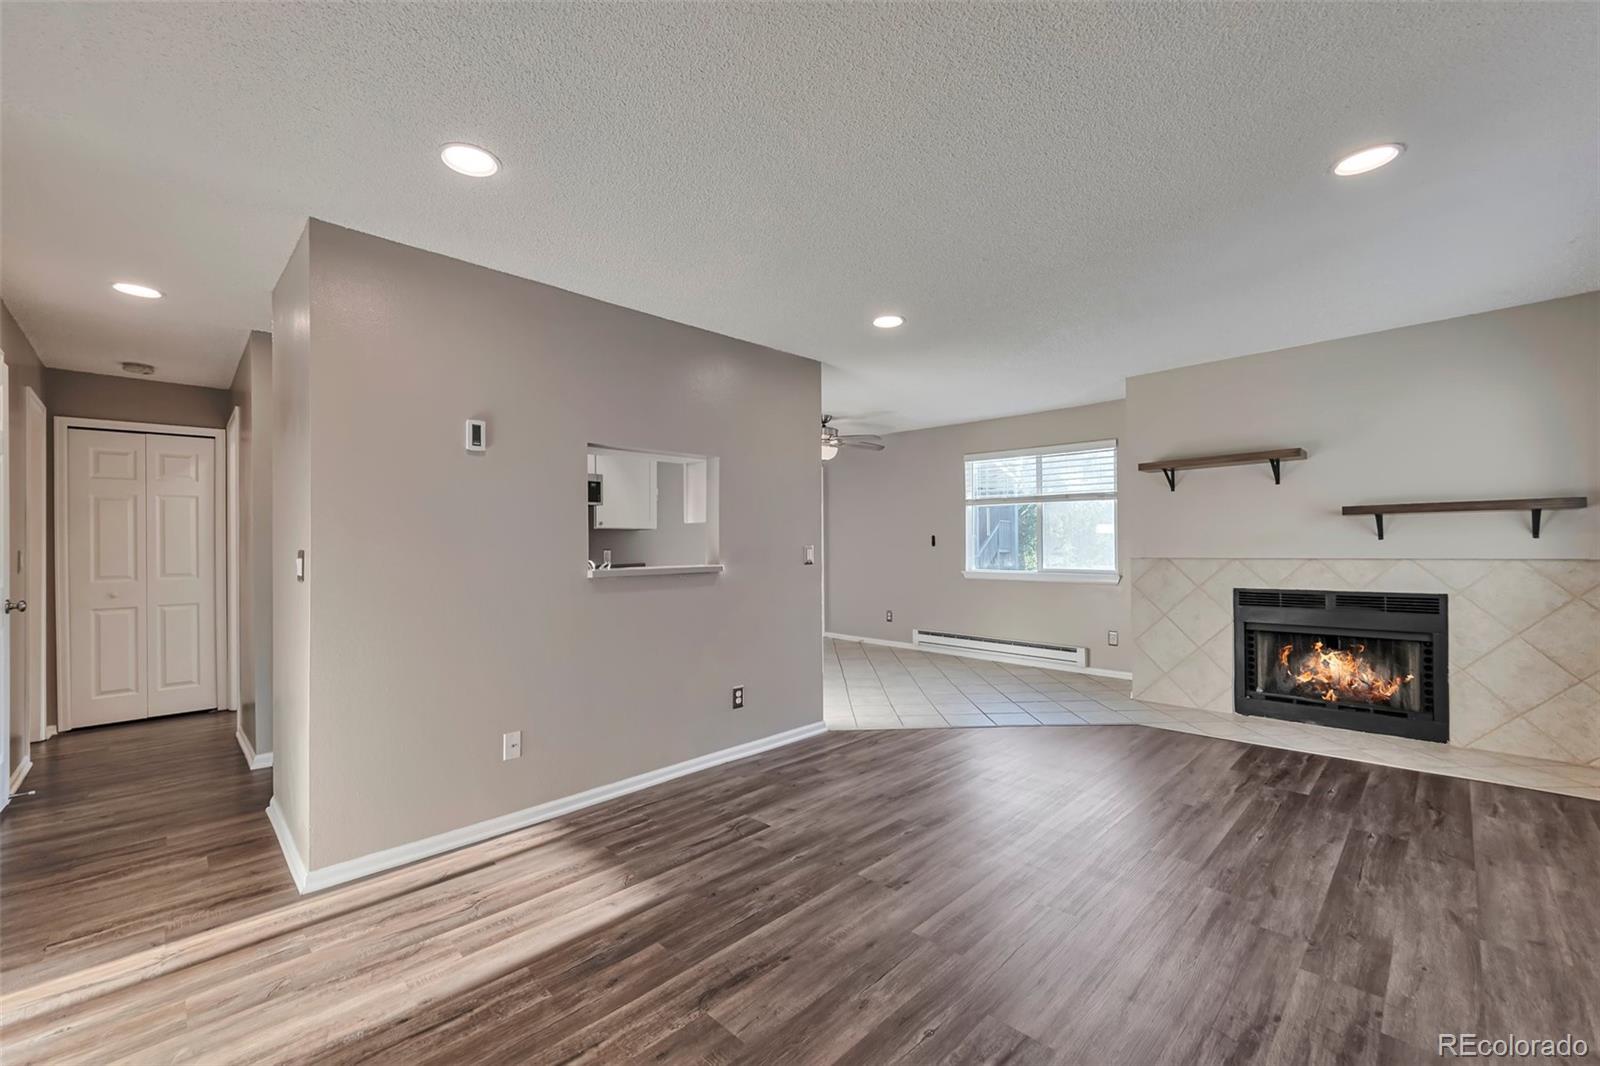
16, 605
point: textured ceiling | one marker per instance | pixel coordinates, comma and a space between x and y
1056, 196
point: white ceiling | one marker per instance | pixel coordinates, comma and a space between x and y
1055, 196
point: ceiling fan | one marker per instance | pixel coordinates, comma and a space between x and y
832, 441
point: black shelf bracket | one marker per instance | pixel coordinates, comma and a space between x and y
1537, 514
1172, 477
1277, 471
1379, 517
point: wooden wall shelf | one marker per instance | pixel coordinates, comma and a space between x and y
1536, 505
1271, 456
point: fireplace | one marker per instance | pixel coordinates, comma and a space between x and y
1370, 661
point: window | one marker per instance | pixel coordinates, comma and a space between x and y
1045, 513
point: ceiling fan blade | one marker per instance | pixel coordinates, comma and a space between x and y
857, 442
868, 437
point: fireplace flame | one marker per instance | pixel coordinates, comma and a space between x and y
1335, 674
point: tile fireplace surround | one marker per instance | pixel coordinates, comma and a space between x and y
1524, 640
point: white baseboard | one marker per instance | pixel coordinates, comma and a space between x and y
389, 858
49, 731
992, 657
18, 774
254, 761
291, 854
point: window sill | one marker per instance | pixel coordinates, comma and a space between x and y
656, 571
1007, 575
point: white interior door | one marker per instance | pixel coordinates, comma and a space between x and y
9, 758
36, 428
182, 593
108, 592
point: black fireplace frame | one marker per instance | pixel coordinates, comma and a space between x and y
1401, 616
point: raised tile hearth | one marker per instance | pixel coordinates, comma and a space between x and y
1524, 647
869, 686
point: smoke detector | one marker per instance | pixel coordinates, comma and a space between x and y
142, 369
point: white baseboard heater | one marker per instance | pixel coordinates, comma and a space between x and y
1024, 651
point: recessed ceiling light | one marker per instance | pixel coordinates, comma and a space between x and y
143, 292
888, 321
1368, 159
142, 369
469, 159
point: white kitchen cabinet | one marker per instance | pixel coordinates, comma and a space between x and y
628, 485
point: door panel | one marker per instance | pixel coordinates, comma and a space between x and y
114, 650
178, 535
177, 645
113, 544
182, 644
107, 591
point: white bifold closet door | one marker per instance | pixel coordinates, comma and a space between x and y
141, 552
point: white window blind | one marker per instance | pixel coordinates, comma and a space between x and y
1081, 470
1045, 513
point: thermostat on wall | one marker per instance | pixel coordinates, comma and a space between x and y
477, 435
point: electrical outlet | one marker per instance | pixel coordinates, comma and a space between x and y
738, 697
511, 746
888, 616
1111, 637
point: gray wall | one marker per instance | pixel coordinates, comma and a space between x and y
882, 508
672, 542
136, 400
252, 394
1502, 404
447, 600
24, 372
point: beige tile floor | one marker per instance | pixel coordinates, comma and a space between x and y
869, 686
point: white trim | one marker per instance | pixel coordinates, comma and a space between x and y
1082, 577
291, 854
231, 432
17, 775
1123, 675
252, 760
389, 858
6, 547
63, 423
40, 566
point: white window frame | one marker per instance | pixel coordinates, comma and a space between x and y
1098, 577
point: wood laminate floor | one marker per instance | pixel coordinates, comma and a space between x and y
1097, 894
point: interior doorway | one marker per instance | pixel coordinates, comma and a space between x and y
141, 553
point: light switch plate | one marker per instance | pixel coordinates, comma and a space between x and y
511, 746
1112, 637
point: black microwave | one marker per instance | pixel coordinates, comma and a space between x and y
596, 493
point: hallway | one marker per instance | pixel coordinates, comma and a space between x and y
131, 836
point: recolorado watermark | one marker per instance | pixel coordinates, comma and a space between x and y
1472, 1046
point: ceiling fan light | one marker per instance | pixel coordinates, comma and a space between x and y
829, 450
